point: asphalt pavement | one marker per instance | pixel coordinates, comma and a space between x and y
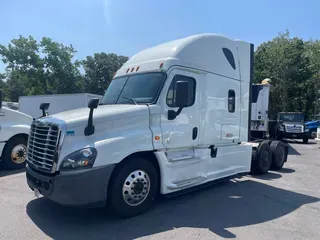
278, 205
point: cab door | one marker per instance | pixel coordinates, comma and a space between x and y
183, 165
182, 131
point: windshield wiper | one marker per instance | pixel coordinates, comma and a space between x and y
130, 99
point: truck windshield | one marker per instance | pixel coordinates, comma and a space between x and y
291, 117
141, 88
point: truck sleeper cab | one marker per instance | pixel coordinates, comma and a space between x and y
175, 116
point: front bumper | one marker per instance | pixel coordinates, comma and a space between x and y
295, 135
73, 188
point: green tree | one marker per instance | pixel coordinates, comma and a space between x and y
44, 67
99, 70
3, 85
313, 52
285, 61
63, 75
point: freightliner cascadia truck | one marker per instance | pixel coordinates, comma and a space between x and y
175, 116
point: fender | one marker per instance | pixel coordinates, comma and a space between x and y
7, 132
13, 123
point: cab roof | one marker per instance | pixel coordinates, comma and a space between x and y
208, 52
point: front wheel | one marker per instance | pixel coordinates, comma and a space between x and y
133, 188
14, 153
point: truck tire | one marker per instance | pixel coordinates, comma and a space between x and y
263, 161
305, 139
14, 153
278, 152
133, 188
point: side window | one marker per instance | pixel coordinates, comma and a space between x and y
171, 92
231, 101
229, 56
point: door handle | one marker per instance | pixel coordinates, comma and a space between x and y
194, 133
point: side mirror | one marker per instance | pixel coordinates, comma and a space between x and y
44, 107
93, 103
181, 98
182, 94
0, 99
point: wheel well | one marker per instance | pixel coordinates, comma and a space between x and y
149, 155
22, 135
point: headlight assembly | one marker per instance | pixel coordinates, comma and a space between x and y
81, 159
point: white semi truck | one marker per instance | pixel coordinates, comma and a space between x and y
15, 125
175, 116
14, 130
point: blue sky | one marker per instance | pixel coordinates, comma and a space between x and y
128, 26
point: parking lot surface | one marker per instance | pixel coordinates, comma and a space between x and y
279, 205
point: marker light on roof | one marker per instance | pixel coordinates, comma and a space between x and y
132, 69
161, 65
137, 68
127, 70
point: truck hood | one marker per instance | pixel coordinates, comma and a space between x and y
102, 113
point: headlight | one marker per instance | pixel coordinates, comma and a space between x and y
281, 128
80, 159
306, 130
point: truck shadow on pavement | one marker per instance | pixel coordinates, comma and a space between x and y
292, 151
4, 173
216, 208
274, 174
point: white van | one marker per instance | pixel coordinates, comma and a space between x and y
175, 116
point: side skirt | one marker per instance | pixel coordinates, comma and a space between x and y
204, 185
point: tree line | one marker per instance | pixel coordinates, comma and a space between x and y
48, 67
293, 65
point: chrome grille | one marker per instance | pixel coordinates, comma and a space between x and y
42, 145
290, 128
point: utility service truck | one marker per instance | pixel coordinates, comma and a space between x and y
175, 116
292, 125
15, 125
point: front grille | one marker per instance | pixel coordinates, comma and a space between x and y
42, 145
294, 128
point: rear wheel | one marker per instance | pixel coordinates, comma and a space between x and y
14, 153
133, 188
278, 151
262, 163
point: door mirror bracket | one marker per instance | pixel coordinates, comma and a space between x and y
181, 98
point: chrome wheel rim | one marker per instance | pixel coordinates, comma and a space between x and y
136, 188
19, 154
